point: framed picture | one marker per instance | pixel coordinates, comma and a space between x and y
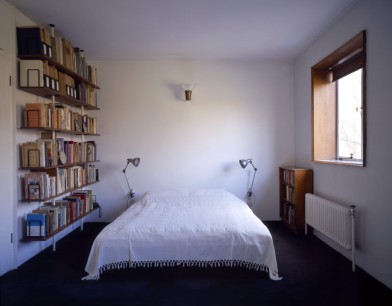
34, 191
77, 126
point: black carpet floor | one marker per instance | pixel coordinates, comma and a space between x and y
313, 274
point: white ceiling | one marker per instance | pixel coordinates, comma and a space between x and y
187, 29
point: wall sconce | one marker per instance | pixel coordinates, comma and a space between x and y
250, 196
135, 162
188, 91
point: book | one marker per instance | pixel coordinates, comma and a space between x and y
36, 225
47, 218
59, 49
68, 54
36, 115
75, 205
32, 154
91, 151
62, 180
63, 209
86, 197
50, 152
53, 211
31, 73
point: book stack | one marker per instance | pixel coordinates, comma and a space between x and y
67, 85
86, 94
57, 116
89, 124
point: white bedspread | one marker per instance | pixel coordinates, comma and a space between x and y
201, 228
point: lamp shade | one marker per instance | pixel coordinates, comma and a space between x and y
134, 161
245, 162
188, 90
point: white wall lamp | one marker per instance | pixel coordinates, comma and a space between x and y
135, 162
250, 196
188, 91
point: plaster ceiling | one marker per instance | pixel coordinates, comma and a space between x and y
187, 29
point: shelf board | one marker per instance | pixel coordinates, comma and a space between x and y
48, 92
49, 129
59, 166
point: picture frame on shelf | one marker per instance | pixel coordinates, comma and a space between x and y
34, 192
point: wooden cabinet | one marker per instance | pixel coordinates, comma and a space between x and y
294, 183
61, 162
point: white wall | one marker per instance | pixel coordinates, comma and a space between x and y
239, 109
369, 187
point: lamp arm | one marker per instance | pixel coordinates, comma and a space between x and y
130, 190
253, 166
126, 167
253, 180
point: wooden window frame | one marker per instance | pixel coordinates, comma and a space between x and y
346, 59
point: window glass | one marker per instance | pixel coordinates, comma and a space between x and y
349, 114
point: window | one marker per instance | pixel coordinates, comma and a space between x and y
338, 105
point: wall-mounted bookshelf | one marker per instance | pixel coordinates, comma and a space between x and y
59, 167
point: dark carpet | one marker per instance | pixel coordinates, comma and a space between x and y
313, 274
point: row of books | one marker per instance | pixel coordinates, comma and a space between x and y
75, 177
52, 216
289, 213
51, 153
39, 186
288, 177
57, 116
39, 73
35, 40
290, 194
77, 152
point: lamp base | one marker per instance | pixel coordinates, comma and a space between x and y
250, 198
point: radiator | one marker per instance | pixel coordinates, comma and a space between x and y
334, 220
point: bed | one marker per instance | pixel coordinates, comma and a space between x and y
201, 228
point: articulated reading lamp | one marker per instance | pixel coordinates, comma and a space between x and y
134, 161
250, 196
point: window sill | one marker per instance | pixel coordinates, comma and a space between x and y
340, 162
